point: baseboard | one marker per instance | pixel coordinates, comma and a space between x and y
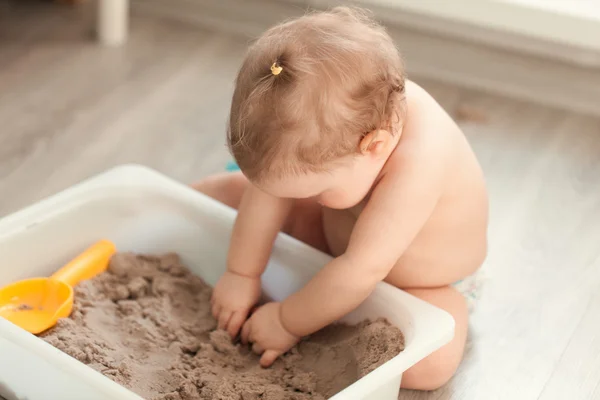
537, 71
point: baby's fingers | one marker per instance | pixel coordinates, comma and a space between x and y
268, 358
235, 323
216, 310
224, 318
257, 348
246, 329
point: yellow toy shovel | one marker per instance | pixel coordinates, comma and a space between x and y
36, 304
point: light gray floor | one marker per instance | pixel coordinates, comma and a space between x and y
69, 109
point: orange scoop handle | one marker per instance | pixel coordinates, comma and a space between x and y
88, 264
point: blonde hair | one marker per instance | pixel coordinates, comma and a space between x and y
309, 90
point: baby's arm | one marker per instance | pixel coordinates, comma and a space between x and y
259, 219
399, 207
394, 215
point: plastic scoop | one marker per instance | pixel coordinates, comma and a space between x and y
36, 304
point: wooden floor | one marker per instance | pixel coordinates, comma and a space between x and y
69, 109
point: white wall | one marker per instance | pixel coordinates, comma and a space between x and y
571, 22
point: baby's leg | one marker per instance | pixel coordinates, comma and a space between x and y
435, 370
225, 187
305, 222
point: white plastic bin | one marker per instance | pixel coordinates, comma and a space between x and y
144, 211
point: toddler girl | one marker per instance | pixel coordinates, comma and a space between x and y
339, 150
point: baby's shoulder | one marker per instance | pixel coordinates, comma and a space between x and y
427, 124
419, 101
428, 135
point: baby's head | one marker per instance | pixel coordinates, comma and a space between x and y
318, 107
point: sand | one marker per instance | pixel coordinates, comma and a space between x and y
146, 324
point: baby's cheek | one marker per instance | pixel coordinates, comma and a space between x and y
325, 199
335, 200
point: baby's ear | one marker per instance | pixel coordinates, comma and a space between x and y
376, 142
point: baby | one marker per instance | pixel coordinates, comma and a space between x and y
339, 150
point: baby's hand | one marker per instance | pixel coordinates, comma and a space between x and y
233, 297
268, 336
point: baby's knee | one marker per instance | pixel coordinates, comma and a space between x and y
438, 368
432, 372
227, 187
233, 181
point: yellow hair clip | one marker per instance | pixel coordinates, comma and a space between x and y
276, 68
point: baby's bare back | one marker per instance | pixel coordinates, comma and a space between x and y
453, 242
